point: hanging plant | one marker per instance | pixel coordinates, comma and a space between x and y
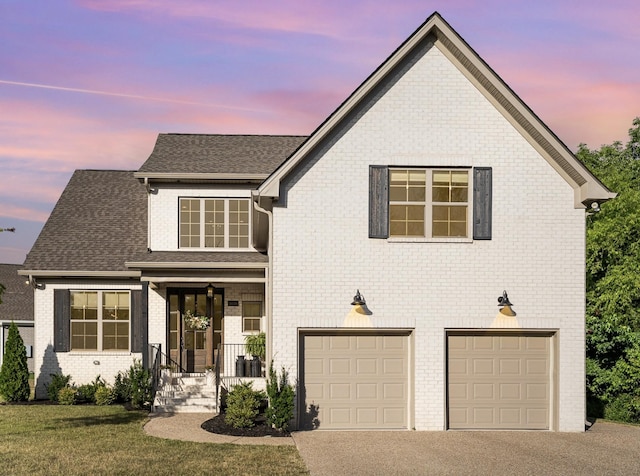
196, 322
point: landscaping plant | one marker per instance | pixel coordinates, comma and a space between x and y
281, 398
14, 375
58, 382
243, 405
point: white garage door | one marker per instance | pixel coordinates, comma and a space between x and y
355, 381
500, 381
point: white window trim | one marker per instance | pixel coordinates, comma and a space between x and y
244, 332
428, 224
226, 246
100, 322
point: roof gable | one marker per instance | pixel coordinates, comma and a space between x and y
436, 30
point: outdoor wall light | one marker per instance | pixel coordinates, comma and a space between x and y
210, 290
358, 299
505, 305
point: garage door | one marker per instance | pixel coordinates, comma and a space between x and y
355, 381
499, 381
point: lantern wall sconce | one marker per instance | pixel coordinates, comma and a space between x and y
505, 305
358, 299
210, 289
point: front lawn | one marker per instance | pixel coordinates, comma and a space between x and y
87, 439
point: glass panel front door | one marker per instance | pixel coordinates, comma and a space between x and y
191, 348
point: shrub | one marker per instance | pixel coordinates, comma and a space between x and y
625, 408
104, 395
14, 375
243, 405
281, 399
58, 382
86, 393
134, 386
67, 396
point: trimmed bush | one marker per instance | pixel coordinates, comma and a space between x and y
67, 396
14, 375
104, 395
58, 382
243, 405
281, 399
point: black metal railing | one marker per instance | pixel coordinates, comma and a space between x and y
158, 360
233, 363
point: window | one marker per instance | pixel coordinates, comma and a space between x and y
430, 203
214, 223
100, 320
251, 316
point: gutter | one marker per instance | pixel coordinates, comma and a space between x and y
268, 282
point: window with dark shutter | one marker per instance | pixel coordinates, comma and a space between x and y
61, 320
378, 201
482, 195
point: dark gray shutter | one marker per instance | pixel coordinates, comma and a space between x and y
139, 319
61, 320
482, 195
378, 201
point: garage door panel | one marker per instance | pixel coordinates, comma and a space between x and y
498, 381
364, 384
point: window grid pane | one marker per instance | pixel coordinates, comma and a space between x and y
214, 224
251, 316
189, 223
100, 320
238, 223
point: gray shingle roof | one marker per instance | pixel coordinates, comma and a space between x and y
17, 299
99, 222
213, 153
199, 257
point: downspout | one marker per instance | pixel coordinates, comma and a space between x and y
149, 192
269, 288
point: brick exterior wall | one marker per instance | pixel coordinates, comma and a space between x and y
431, 115
83, 367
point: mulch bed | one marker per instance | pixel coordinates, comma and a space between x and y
218, 425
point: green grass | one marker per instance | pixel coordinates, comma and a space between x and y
87, 439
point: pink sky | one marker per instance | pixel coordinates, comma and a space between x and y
90, 83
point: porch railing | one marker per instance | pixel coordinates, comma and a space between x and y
158, 360
234, 363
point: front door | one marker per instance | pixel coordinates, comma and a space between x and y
192, 348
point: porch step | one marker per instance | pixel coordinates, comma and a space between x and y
184, 393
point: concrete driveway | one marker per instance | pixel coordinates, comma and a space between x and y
606, 449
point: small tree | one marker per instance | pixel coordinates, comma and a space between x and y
14, 375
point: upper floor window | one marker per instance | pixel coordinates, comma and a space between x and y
100, 320
432, 203
214, 223
428, 203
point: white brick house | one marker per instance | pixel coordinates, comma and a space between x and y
431, 190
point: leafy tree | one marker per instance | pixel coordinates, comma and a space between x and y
14, 375
613, 282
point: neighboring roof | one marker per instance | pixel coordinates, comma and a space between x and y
210, 156
586, 186
17, 298
100, 221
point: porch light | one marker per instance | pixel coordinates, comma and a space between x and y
358, 300
210, 290
505, 305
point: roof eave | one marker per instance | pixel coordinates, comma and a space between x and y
587, 187
179, 177
194, 265
78, 273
